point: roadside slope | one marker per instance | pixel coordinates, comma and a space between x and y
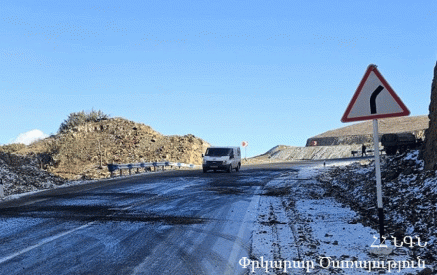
83, 151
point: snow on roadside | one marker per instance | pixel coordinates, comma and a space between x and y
312, 170
272, 237
21, 174
300, 230
342, 240
409, 197
66, 184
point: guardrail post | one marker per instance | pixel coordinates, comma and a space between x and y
2, 194
121, 172
130, 171
138, 170
112, 174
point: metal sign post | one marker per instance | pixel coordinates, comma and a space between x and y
244, 144
2, 194
378, 180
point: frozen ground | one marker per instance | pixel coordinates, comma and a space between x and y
295, 222
301, 230
13, 189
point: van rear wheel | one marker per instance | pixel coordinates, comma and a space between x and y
238, 168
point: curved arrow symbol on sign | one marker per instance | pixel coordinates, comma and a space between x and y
373, 99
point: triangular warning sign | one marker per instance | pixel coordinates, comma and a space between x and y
374, 99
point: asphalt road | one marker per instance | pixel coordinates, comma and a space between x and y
174, 222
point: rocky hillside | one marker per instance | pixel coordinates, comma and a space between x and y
360, 133
429, 153
83, 151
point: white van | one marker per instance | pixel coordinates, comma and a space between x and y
222, 158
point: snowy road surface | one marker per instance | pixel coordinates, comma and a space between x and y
187, 222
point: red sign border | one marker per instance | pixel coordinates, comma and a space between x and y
370, 68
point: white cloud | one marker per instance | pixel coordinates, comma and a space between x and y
29, 137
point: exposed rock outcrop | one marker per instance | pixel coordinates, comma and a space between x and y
430, 149
83, 151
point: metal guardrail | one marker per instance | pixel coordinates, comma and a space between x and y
114, 167
358, 153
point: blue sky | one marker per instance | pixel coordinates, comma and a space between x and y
267, 72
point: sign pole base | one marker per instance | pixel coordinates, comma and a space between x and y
381, 224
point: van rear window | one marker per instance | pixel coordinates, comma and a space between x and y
217, 152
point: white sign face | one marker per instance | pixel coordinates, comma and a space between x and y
244, 143
373, 99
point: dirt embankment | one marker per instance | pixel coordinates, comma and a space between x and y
84, 151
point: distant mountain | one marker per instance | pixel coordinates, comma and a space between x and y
362, 133
340, 143
387, 125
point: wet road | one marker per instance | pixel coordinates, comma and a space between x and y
175, 222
